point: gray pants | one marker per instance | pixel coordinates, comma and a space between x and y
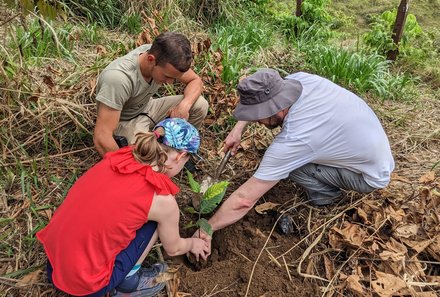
323, 184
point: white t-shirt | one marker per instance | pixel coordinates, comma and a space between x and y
331, 126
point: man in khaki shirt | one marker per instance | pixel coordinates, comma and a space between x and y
126, 86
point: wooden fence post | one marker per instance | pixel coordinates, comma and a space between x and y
298, 12
399, 25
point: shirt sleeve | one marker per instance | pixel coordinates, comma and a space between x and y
282, 157
114, 89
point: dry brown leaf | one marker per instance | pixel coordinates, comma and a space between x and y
434, 248
427, 177
264, 207
354, 285
417, 245
335, 241
203, 46
144, 38
393, 250
396, 177
363, 215
48, 80
387, 284
352, 234
378, 219
48, 213
100, 50
406, 231
30, 278
329, 267
370, 206
393, 256
396, 215
375, 247
431, 197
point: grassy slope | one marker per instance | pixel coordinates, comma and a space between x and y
426, 11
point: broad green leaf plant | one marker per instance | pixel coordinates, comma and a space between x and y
209, 200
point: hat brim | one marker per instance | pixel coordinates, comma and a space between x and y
288, 95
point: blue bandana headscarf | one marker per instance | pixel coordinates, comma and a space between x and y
180, 134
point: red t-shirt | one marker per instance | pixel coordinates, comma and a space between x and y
98, 219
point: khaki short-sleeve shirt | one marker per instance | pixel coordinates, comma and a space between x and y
121, 85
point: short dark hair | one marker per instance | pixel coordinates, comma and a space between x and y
173, 48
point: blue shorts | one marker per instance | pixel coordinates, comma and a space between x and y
125, 260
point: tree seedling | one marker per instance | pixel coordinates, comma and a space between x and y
207, 202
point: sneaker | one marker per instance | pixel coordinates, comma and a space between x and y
142, 283
285, 225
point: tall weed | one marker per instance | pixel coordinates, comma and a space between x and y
365, 72
40, 39
111, 14
209, 12
238, 43
414, 42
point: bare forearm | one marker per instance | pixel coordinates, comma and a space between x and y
183, 246
240, 126
106, 122
192, 91
240, 202
231, 211
104, 145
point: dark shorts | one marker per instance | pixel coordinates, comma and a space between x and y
125, 260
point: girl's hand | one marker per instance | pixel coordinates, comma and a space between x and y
202, 235
199, 248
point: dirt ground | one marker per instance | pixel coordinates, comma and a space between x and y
232, 267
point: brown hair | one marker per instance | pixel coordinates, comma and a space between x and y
173, 48
149, 150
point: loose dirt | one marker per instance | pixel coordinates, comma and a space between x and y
232, 267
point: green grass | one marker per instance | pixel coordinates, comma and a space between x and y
362, 71
41, 39
238, 42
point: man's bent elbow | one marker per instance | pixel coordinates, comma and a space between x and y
98, 142
243, 204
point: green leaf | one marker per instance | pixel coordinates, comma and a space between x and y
190, 225
191, 210
195, 186
205, 226
213, 196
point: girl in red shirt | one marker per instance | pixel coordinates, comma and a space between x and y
114, 213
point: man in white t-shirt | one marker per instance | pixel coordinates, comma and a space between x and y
330, 140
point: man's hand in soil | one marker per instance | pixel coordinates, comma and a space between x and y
200, 234
200, 248
232, 141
